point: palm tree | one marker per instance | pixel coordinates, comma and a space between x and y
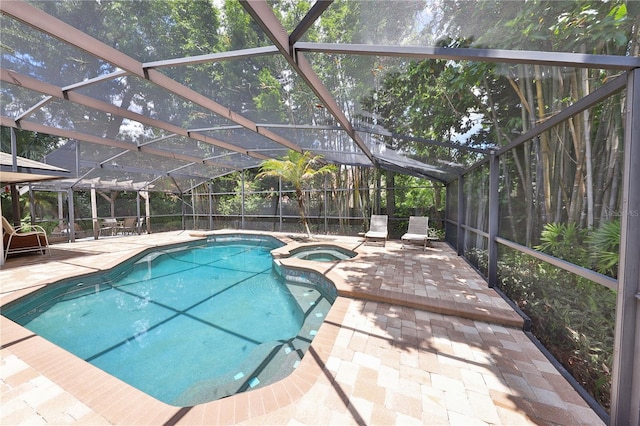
296, 168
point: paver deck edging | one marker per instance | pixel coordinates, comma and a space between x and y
445, 307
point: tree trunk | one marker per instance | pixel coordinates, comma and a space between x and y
391, 196
532, 195
617, 136
586, 128
507, 190
575, 130
299, 196
338, 198
544, 159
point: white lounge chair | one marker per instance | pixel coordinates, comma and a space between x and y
418, 231
377, 229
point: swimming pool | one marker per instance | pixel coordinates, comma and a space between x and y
186, 324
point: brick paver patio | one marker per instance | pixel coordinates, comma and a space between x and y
415, 337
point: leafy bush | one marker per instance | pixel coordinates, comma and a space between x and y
605, 242
232, 204
564, 241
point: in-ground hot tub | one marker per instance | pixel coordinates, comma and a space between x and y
322, 252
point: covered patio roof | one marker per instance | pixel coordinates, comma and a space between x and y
22, 170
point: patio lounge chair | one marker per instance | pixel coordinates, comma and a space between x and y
25, 239
418, 231
377, 229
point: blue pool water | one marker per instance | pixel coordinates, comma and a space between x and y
186, 325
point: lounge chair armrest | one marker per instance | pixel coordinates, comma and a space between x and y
25, 229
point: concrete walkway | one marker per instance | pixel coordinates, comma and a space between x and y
414, 338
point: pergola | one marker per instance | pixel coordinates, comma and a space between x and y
173, 133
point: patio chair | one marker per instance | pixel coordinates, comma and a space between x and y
109, 226
417, 231
128, 225
377, 229
62, 233
28, 238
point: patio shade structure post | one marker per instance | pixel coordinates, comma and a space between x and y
183, 208
625, 387
194, 198
280, 202
376, 206
210, 188
94, 212
138, 210
494, 205
15, 205
60, 210
242, 203
147, 209
460, 215
72, 216
325, 183
32, 206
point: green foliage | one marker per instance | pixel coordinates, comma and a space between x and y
596, 249
598, 27
232, 204
435, 99
30, 145
602, 24
565, 241
605, 243
270, 98
165, 204
298, 169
